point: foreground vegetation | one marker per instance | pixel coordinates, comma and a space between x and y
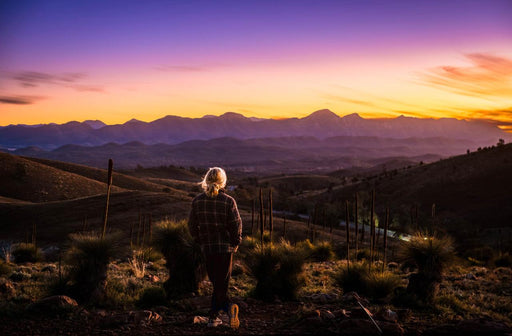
310, 273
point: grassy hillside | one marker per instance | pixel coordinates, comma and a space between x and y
28, 180
56, 220
471, 193
121, 180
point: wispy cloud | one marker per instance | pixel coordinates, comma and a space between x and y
74, 80
489, 75
19, 100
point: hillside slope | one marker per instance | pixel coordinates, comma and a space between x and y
472, 193
31, 181
100, 175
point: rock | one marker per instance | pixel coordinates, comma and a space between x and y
471, 276
49, 268
323, 297
53, 303
200, 320
144, 316
19, 276
153, 278
388, 315
342, 314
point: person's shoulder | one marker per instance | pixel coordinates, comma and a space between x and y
227, 198
199, 197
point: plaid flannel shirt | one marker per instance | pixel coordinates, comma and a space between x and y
215, 223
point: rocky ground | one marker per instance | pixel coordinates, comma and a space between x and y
472, 301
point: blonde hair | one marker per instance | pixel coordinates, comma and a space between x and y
214, 180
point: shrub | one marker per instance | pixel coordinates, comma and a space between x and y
504, 260
278, 270
381, 285
26, 252
152, 296
5, 268
137, 263
322, 251
184, 259
88, 258
353, 278
431, 255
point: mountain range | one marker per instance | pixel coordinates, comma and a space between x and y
171, 130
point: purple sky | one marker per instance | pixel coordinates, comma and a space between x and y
217, 56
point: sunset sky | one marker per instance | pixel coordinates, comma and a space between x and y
117, 60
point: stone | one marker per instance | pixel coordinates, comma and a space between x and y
471, 276
388, 315
143, 316
52, 303
200, 320
19, 276
49, 268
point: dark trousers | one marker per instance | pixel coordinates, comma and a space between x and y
218, 266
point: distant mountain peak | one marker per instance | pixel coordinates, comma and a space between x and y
96, 124
232, 115
324, 114
352, 116
133, 120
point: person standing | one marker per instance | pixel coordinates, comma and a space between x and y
215, 224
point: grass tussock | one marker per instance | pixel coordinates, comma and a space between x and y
318, 251
278, 270
88, 260
26, 252
5, 268
431, 255
367, 280
183, 256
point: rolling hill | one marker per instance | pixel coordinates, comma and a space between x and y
471, 193
269, 155
62, 198
31, 181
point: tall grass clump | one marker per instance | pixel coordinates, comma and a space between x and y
88, 260
318, 251
5, 268
278, 269
366, 280
183, 256
353, 278
431, 255
26, 252
381, 285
